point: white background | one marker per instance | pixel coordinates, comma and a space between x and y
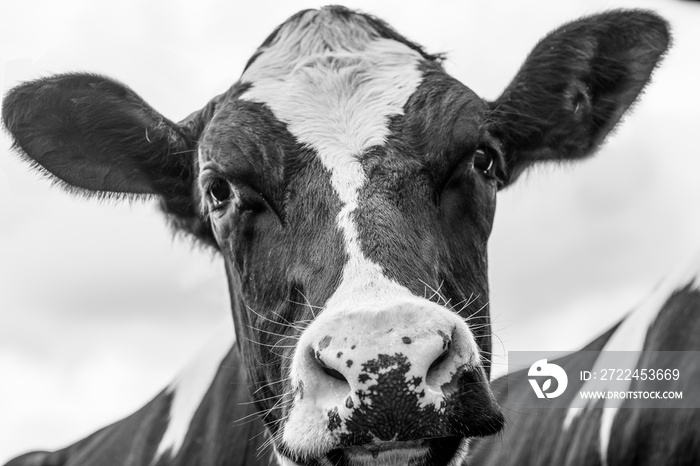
100, 305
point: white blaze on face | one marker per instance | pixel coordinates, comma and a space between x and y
630, 337
336, 93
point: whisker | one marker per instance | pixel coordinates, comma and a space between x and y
273, 397
287, 323
270, 442
294, 337
271, 383
268, 319
245, 419
467, 302
304, 304
436, 292
269, 346
308, 303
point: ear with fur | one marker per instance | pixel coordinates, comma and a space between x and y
96, 135
575, 86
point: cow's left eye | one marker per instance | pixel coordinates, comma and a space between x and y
219, 192
484, 161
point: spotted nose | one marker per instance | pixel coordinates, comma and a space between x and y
421, 360
386, 371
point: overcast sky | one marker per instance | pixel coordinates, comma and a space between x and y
100, 305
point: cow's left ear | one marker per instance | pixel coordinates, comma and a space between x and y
95, 135
575, 86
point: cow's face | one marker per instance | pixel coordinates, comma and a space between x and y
350, 185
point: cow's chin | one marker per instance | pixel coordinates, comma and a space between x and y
433, 452
426, 452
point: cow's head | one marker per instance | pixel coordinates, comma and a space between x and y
350, 185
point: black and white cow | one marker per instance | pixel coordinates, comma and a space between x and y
341, 175
611, 432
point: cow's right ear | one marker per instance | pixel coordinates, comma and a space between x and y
575, 86
96, 135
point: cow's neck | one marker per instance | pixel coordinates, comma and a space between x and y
210, 405
190, 387
631, 337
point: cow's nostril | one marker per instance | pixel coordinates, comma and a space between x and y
334, 374
443, 367
329, 371
439, 360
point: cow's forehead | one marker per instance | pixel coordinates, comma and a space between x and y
334, 79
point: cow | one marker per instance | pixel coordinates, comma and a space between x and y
607, 431
340, 177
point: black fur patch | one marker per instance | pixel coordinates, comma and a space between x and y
390, 406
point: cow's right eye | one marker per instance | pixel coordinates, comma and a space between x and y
219, 192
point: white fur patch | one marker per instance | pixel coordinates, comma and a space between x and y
630, 336
190, 387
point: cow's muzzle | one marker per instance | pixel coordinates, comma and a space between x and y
373, 375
